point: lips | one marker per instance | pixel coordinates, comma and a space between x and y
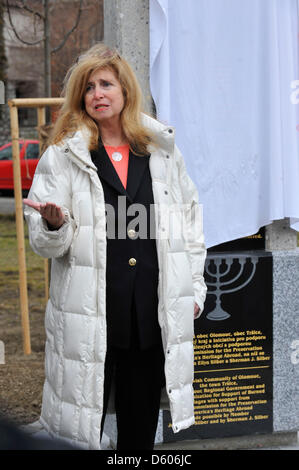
101, 106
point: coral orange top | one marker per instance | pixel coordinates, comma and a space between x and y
120, 164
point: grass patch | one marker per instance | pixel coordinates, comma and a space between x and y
9, 264
21, 376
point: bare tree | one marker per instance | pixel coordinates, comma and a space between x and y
42, 15
88, 33
3, 60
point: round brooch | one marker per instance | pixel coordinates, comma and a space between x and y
117, 156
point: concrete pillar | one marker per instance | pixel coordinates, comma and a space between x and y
126, 27
279, 236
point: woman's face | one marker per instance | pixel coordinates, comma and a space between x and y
104, 98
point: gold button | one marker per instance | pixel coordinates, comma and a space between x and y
132, 261
131, 233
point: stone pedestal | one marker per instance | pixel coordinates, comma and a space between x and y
279, 236
286, 340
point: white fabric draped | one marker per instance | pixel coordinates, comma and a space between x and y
225, 73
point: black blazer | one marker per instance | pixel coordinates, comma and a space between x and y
126, 283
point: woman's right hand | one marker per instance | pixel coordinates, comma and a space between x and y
49, 211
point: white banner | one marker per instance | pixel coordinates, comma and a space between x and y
225, 73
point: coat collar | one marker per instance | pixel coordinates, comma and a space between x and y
79, 145
164, 135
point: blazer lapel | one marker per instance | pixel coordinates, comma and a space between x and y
107, 171
137, 166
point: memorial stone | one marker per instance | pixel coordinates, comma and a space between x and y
233, 346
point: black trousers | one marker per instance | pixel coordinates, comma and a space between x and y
139, 378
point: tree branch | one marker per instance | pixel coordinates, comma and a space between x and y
14, 30
36, 13
25, 7
70, 31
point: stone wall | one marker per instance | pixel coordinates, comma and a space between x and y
5, 119
5, 133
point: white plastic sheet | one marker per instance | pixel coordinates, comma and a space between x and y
225, 74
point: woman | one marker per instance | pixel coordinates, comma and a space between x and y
124, 289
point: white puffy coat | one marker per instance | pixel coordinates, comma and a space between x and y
75, 319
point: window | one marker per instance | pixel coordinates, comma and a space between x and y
32, 151
26, 89
6, 153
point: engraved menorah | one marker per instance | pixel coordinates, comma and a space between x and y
219, 313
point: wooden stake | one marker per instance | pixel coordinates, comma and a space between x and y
41, 120
35, 102
20, 229
14, 104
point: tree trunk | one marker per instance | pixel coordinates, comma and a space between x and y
3, 60
47, 50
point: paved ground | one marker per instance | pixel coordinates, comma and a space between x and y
7, 205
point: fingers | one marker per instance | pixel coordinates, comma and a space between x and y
52, 213
33, 204
48, 210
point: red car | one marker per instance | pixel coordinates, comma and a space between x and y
29, 156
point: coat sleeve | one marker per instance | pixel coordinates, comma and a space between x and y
51, 183
194, 237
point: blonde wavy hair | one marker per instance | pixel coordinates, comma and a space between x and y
72, 114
